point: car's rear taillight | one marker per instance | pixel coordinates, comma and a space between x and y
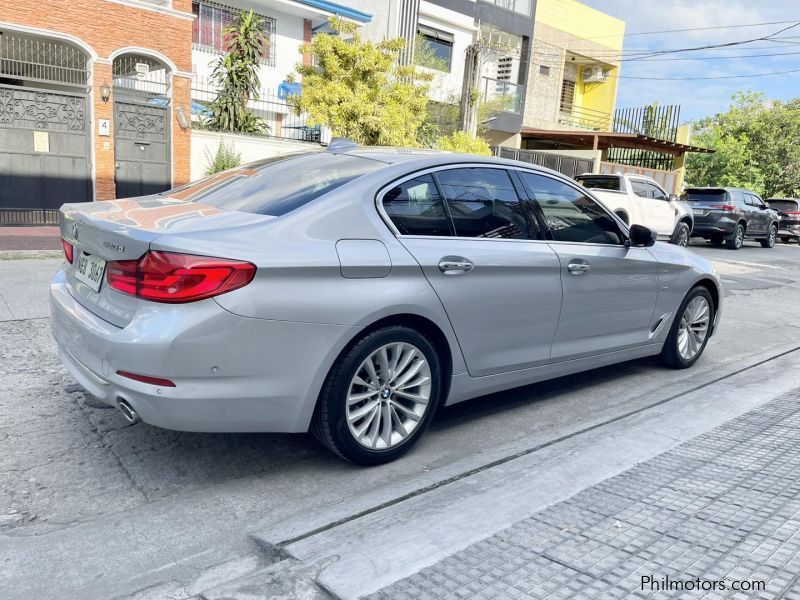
69, 250
792, 212
724, 207
163, 382
172, 277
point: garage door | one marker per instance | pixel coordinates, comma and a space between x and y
44, 149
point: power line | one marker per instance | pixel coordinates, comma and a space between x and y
736, 26
702, 78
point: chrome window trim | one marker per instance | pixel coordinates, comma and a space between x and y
430, 170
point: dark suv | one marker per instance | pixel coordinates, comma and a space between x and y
730, 215
789, 213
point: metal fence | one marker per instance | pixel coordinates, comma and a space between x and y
30, 58
570, 166
28, 216
281, 120
668, 179
653, 121
585, 118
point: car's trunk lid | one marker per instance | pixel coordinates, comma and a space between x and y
123, 230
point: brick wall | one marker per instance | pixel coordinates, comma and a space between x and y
108, 27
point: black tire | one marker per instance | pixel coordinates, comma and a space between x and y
717, 239
772, 234
329, 424
737, 239
670, 355
680, 236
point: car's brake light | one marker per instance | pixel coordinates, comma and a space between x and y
147, 379
175, 278
724, 207
69, 250
792, 212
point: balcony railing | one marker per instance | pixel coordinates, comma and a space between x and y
519, 6
585, 118
510, 94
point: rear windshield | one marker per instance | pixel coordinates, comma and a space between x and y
278, 185
600, 183
705, 196
784, 204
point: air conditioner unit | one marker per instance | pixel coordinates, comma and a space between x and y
594, 74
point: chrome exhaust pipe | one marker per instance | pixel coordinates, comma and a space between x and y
131, 416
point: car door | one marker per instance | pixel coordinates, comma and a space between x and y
482, 251
609, 288
654, 208
759, 214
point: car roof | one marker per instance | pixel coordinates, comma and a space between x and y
421, 158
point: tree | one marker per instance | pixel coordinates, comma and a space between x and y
757, 145
461, 141
359, 90
236, 74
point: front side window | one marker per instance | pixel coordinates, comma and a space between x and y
656, 192
416, 208
570, 215
640, 188
482, 202
276, 186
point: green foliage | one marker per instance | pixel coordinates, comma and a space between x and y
756, 147
236, 75
358, 90
460, 141
225, 158
443, 118
424, 56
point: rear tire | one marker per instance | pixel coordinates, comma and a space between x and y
681, 235
686, 325
735, 242
371, 409
769, 241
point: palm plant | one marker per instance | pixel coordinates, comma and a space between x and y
236, 75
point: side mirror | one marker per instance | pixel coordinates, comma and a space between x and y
673, 197
641, 236
763, 206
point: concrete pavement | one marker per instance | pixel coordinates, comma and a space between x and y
79, 488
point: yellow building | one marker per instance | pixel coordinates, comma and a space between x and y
572, 76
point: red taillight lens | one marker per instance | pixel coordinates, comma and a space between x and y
69, 250
792, 212
147, 379
724, 207
172, 277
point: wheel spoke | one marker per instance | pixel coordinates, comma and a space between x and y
388, 395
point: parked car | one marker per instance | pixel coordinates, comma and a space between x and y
639, 199
731, 215
789, 215
354, 290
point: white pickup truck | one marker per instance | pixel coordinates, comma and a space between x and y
638, 199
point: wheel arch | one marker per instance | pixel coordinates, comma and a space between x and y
715, 292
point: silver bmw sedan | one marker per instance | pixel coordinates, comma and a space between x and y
352, 291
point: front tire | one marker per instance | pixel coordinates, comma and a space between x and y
379, 397
772, 234
735, 242
690, 329
681, 235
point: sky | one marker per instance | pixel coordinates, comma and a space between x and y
705, 97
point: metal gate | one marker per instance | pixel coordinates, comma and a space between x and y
141, 146
141, 125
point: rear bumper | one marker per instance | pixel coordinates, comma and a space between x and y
232, 373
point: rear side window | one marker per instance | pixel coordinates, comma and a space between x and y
276, 186
784, 205
640, 188
416, 208
600, 183
482, 202
716, 196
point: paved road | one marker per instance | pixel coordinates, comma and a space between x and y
106, 509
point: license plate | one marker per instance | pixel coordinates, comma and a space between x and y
89, 269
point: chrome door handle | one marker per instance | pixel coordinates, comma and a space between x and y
455, 266
577, 268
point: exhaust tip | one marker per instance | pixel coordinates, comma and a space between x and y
131, 416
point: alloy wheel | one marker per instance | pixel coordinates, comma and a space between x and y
739, 236
683, 237
388, 396
773, 233
693, 328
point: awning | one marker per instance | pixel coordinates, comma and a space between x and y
572, 139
